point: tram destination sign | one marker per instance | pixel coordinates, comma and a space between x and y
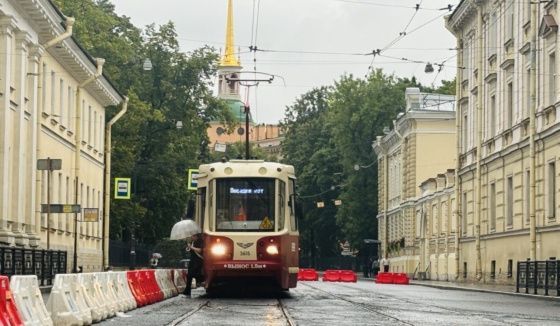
60, 208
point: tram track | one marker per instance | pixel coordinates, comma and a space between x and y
363, 306
217, 305
455, 311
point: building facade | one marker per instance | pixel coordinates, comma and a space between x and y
52, 105
426, 130
508, 111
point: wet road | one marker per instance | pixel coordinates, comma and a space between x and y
362, 303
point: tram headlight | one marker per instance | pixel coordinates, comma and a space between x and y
272, 249
218, 249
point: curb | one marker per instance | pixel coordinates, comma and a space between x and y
451, 287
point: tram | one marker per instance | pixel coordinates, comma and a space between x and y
246, 211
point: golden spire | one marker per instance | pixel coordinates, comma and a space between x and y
229, 59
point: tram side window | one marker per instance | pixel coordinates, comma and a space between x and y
201, 206
281, 204
292, 192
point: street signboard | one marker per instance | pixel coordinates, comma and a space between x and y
193, 183
122, 188
220, 147
60, 208
337, 202
91, 215
49, 164
320, 204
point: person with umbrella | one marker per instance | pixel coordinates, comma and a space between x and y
195, 263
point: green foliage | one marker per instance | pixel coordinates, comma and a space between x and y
328, 131
172, 252
146, 145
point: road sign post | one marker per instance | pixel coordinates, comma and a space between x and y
49, 165
193, 182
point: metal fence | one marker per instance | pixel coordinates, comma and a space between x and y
324, 263
127, 254
538, 275
43, 263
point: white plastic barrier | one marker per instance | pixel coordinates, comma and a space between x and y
93, 296
122, 297
164, 282
66, 302
178, 280
109, 292
123, 283
29, 300
171, 282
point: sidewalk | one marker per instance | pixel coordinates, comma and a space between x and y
481, 287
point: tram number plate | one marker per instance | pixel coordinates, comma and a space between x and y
245, 253
244, 266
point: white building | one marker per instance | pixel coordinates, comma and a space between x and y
52, 104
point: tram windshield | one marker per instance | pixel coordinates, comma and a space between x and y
245, 205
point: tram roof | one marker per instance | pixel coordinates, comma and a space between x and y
244, 166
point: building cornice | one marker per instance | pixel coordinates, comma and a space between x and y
47, 21
464, 11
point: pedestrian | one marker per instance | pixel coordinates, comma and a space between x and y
385, 263
154, 261
375, 267
195, 263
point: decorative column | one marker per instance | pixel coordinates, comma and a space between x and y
19, 198
7, 25
33, 219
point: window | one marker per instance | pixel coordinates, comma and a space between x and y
201, 206
493, 36
68, 215
509, 21
551, 194
527, 88
60, 224
87, 205
509, 202
83, 122
464, 213
509, 113
492, 206
245, 204
510, 268
70, 115
527, 191
292, 204
94, 140
281, 204
551, 78
44, 196
493, 269
435, 217
44, 87
82, 204
53, 92
466, 61
464, 269
527, 11
453, 219
465, 129
444, 218
88, 124
62, 108
492, 117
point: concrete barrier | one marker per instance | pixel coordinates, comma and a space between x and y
66, 302
93, 296
28, 298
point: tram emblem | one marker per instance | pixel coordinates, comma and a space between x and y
245, 245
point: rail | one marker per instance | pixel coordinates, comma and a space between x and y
538, 275
43, 263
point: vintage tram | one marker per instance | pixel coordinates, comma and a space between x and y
246, 211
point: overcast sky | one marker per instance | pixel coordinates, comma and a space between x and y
296, 26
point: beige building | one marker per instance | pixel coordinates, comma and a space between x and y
421, 144
52, 104
507, 116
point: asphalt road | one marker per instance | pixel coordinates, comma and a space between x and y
362, 303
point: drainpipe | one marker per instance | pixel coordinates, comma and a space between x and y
532, 134
478, 189
78, 139
107, 202
458, 185
69, 22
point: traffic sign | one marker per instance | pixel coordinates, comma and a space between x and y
91, 215
122, 188
193, 183
60, 208
320, 204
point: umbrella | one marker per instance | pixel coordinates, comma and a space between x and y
184, 229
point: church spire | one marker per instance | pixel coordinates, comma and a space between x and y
229, 59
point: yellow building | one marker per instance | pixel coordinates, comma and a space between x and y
507, 189
52, 105
421, 144
266, 136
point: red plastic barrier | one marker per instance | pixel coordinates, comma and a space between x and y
307, 274
136, 288
348, 276
384, 278
9, 314
331, 275
400, 278
154, 290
